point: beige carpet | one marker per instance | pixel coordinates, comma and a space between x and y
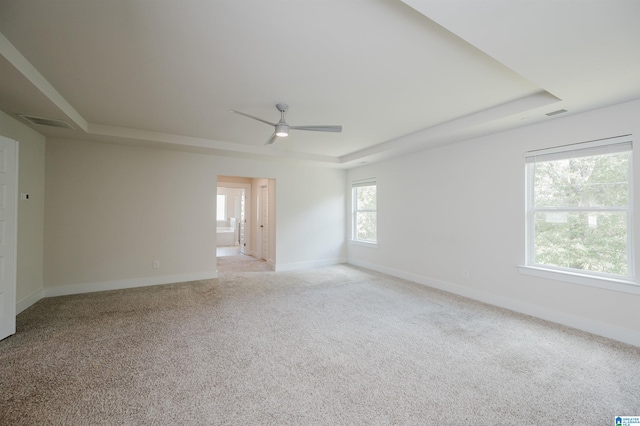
227, 251
240, 263
334, 345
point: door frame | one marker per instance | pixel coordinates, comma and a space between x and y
263, 195
8, 317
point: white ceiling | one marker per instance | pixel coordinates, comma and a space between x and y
399, 76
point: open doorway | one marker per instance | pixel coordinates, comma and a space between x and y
245, 224
231, 206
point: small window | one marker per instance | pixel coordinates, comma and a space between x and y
579, 209
221, 207
364, 205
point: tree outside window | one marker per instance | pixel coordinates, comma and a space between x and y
364, 212
579, 213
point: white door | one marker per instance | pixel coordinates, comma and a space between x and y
8, 231
264, 222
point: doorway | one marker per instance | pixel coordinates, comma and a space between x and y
245, 206
231, 216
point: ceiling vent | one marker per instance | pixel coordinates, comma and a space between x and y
560, 111
46, 121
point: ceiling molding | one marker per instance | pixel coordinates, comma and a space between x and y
414, 75
11, 54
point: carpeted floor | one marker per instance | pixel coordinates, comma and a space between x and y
241, 263
334, 345
227, 251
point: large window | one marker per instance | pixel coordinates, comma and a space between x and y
364, 205
579, 209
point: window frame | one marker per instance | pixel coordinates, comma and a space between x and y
355, 210
626, 283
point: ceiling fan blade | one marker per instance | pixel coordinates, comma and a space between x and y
318, 128
252, 116
271, 139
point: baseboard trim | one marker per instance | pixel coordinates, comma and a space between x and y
309, 264
610, 331
129, 283
29, 301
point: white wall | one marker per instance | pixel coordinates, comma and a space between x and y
113, 209
313, 214
30, 213
462, 206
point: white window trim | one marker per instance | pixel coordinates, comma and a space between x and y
627, 284
363, 243
582, 279
353, 240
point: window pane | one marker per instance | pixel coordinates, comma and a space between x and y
366, 197
600, 181
591, 241
221, 207
366, 226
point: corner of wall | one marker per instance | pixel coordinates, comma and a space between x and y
29, 301
31, 180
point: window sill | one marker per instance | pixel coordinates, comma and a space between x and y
363, 244
582, 279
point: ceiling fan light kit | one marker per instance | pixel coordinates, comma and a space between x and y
281, 128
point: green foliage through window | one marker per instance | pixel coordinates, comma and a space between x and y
579, 211
364, 213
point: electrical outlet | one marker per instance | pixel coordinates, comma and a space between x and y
156, 264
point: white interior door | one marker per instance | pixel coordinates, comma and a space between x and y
264, 222
8, 234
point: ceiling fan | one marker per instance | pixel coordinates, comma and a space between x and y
281, 128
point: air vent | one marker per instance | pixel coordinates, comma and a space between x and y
46, 121
560, 111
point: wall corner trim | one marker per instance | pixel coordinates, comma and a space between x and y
127, 283
29, 301
310, 264
609, 331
